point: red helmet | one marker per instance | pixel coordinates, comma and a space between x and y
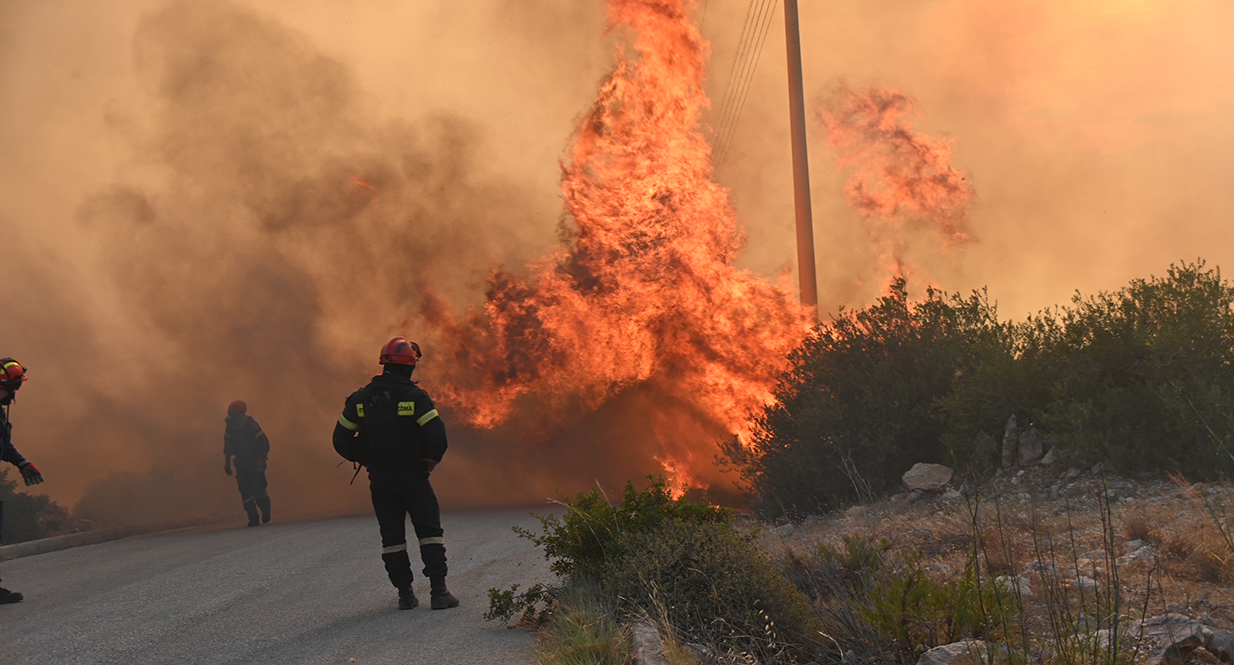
12, 374
399, 351
238, 406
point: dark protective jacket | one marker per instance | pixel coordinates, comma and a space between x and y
245, 440
7, 452
391, 422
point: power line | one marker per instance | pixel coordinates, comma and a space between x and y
743, 92
740, 94
736, 70
735, 98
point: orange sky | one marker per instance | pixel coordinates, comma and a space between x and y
1096, 135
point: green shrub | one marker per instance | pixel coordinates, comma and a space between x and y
710, 578
859, 405
587, 539
1150, 375
672, 558
32, 516
873, 602
583, 630
1140, 379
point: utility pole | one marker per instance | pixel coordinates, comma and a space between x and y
801, 162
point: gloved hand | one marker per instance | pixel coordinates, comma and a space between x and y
30, 473
227, 467
431, 463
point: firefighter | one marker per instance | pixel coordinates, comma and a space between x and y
245, 442
12, 375
391, 428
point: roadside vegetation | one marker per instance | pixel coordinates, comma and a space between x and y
33, 516
1105, 551
1141, 379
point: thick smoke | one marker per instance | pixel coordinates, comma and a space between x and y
1095, 133
277, 232
203, 203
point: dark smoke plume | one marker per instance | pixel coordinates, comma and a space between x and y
288, 236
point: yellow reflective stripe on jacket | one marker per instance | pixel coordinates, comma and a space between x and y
407, 408
427, 417
360, 410
342, 420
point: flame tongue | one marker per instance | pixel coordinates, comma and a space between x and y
646, 293
898, 175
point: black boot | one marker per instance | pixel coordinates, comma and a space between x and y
8, 597
263, 502
407, 599
250, 507
439, 596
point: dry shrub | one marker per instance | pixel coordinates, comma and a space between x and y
1204, 556
1137, 527
1002, 549
1179, 546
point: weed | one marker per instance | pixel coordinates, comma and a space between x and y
583, 630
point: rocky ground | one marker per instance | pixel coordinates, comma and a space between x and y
1150, 557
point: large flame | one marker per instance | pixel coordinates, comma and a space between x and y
898, 176
643, 291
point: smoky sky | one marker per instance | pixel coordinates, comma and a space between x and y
201, 202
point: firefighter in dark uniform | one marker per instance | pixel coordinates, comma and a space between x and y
247, 444
12, 375
391, 428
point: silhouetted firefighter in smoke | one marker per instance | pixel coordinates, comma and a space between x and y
245, 442
391, 427
12, 375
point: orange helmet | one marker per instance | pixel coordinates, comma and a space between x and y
399, 351
237, 406
12, 374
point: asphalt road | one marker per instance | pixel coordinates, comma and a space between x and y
306, 592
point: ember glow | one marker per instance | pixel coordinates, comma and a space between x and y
898, 177
643, 291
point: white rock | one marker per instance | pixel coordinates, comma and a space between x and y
1040, 567
964, 651
1031, 447
927, 477
648, 649
784, 531
1050, 457
1086, 583
1012, 583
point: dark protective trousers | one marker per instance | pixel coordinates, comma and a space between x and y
252, 482
398, 493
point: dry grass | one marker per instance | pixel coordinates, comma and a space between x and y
1067, 525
